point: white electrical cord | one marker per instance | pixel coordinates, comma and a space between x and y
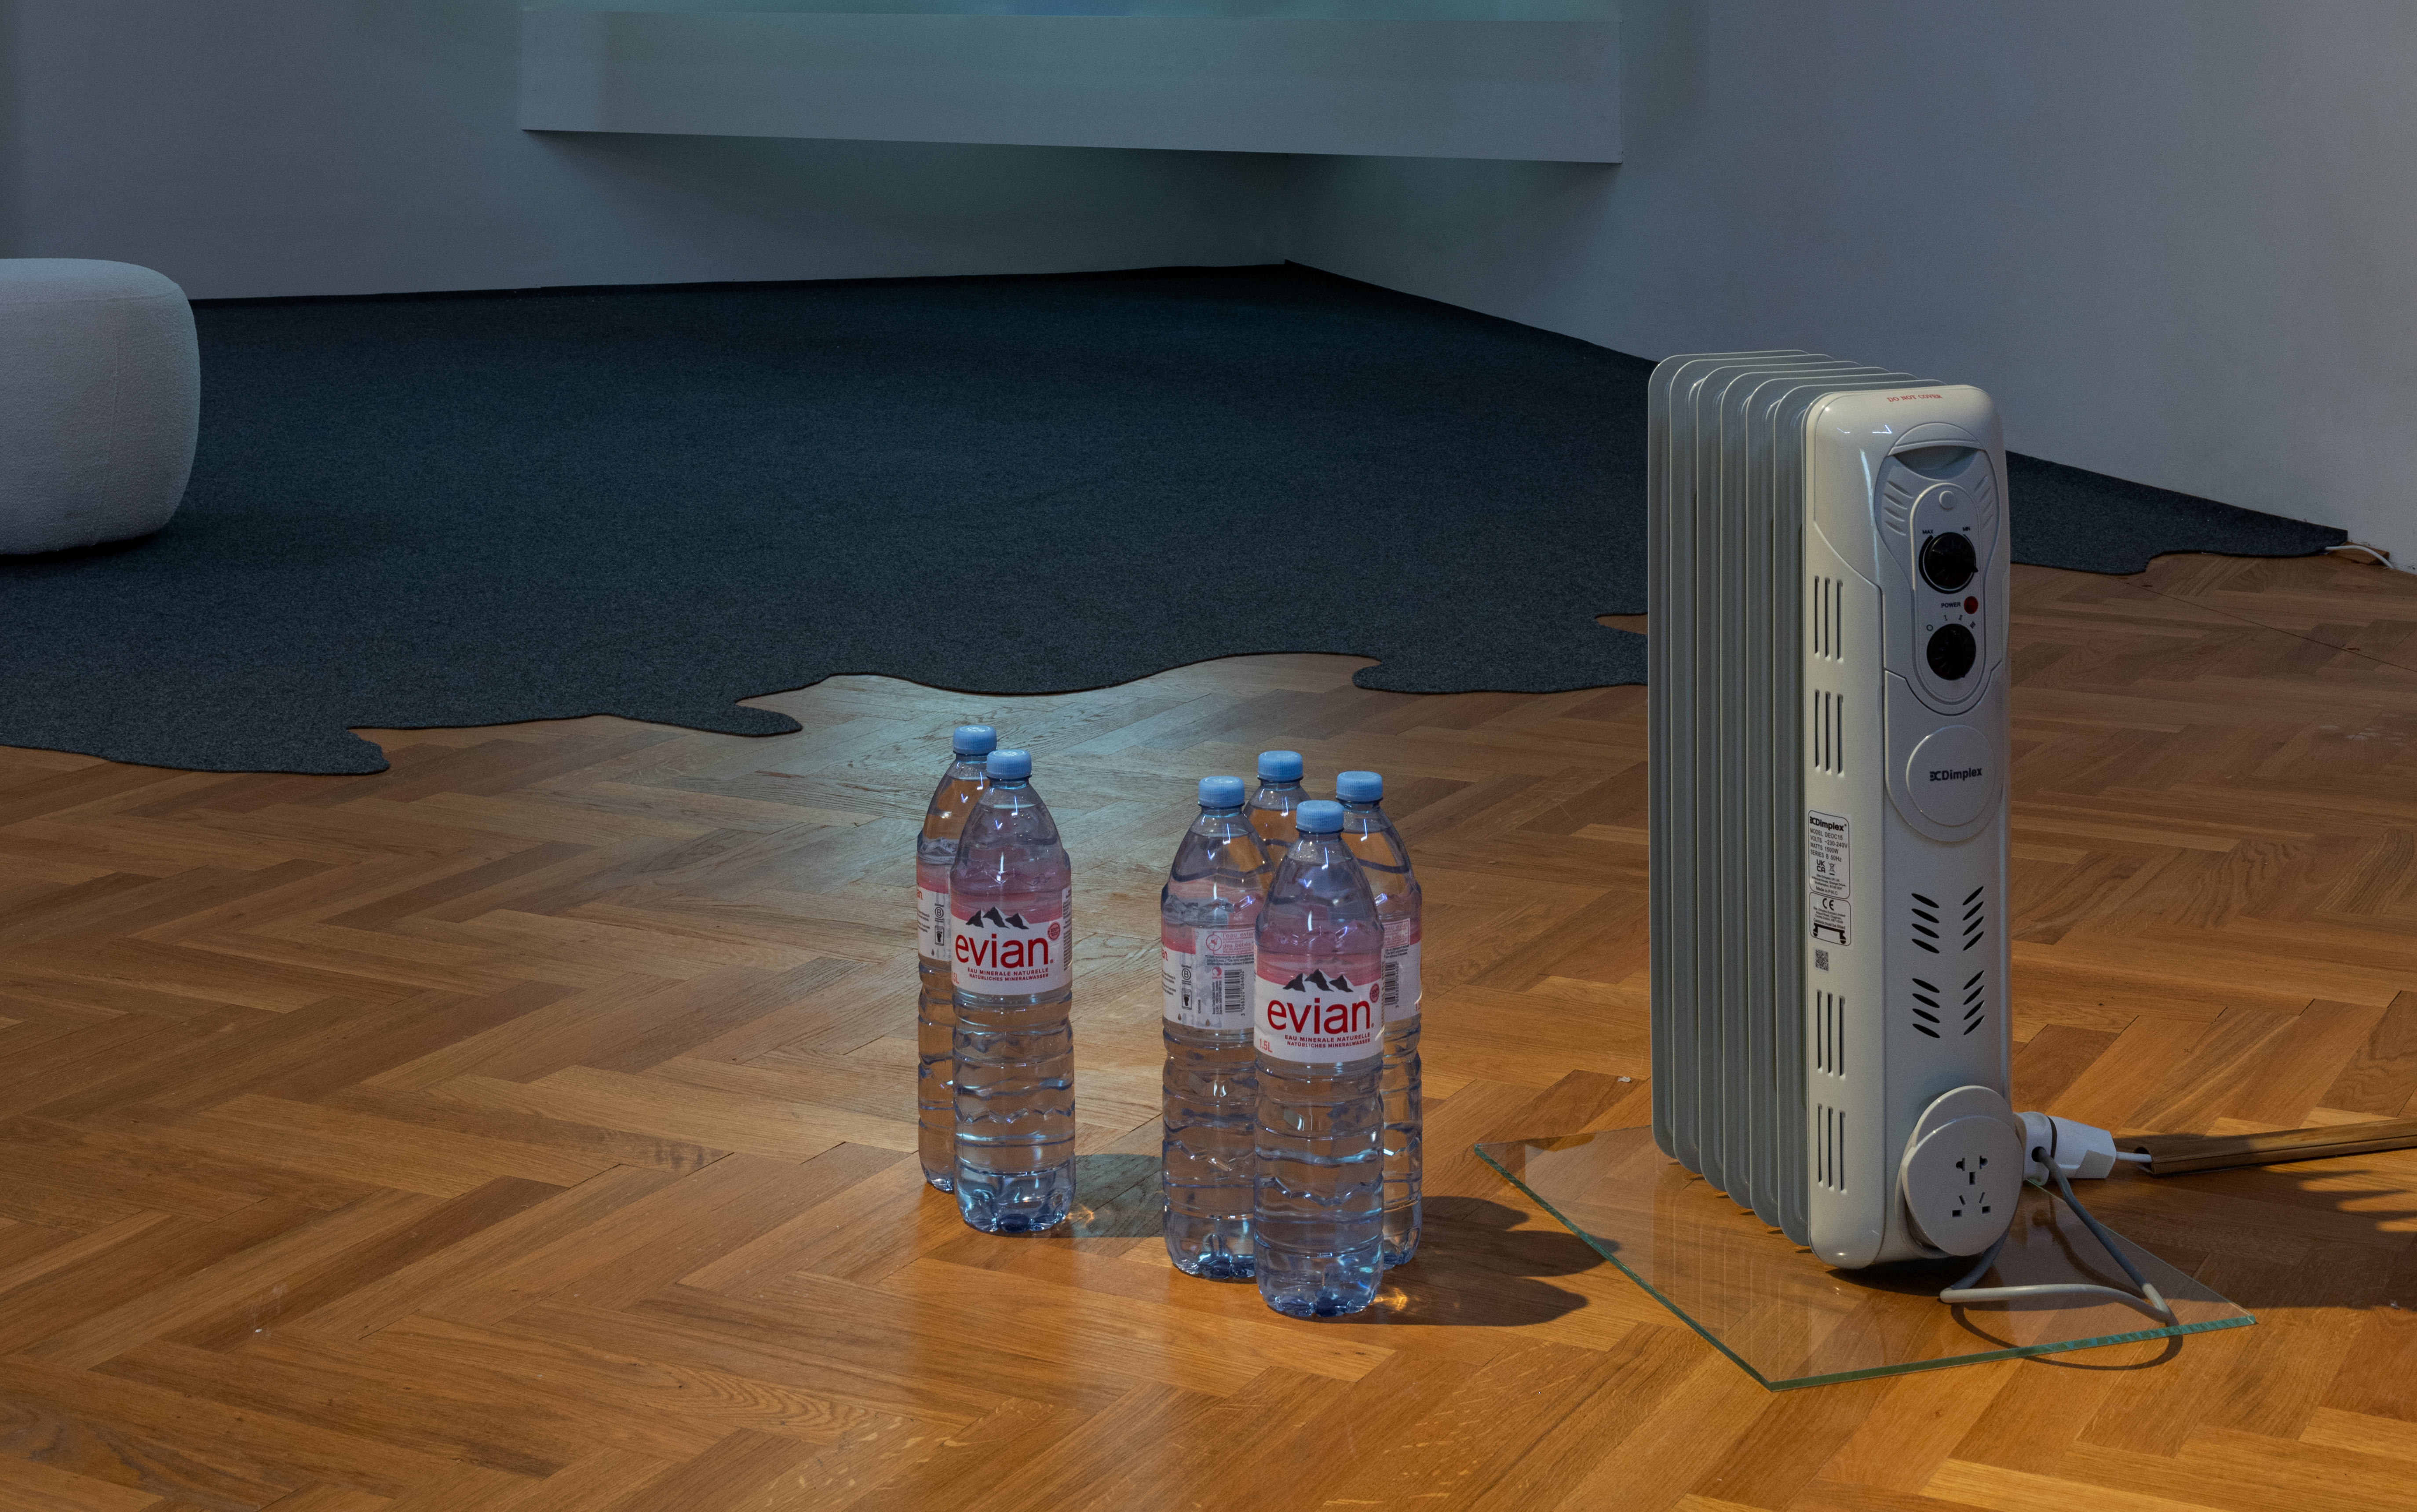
2148, 1300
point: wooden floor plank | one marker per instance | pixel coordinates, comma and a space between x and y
530, 1127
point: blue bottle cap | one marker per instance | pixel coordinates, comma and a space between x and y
1319, 816
1220, 792
974, 739
1359, 786
1010, 763
1279, 766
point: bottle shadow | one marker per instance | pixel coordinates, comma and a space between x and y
1484, 1264
1481, 1264
1116, 1197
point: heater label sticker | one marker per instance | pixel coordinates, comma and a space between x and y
1208, 988
1828, 870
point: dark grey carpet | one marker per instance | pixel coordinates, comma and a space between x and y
654, 503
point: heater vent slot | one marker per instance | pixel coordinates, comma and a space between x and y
1828, 618
1829, 732
1830, 1033
1974, 924
1925, 932
1976, 1001
1927, 1018
1830, 1146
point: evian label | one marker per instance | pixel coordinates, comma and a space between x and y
1011, 952
1401, 984
1207, 987
1316, 1014
931, 913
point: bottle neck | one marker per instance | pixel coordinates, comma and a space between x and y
1010, 784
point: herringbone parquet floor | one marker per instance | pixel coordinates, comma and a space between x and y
530, 1127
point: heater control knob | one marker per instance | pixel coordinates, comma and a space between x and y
1948, 561
1951, 653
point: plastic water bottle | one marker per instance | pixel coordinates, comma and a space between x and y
1011, 936
1317, 1213
935, 1008
1279, 795
1208, 918
1385, 863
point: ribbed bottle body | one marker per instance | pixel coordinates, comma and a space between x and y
936, 1010
1010, 909
1385, 861
1209, 914
1317, 1211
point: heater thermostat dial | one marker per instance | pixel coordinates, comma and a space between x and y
1951, 651
1948, 562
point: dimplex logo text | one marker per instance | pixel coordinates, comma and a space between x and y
1957, 776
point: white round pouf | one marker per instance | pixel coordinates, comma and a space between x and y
100, 397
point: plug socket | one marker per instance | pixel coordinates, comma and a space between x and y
1961, 1173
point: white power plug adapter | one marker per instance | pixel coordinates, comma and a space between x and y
2082, 1152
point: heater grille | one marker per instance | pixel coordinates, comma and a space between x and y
1829, 732
1928, 932
1830, 1146
1976, 1000
1828, 618
1928, 1020
1976, 917
1830, 1033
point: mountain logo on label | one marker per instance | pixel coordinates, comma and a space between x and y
991, 917
1318, 979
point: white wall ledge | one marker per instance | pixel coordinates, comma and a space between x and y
1535, 90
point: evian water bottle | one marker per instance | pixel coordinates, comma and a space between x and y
1317, 1213
1207, 914
935, 1009
1011, 936
1279, 795
1385, 861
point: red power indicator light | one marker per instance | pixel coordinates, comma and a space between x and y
1971, 606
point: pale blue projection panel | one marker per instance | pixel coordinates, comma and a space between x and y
1536, 89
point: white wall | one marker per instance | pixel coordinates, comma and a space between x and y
2177, 239
349, 146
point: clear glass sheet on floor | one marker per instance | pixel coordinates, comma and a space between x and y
1792, 1321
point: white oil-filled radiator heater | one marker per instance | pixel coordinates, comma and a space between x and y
1829, 760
